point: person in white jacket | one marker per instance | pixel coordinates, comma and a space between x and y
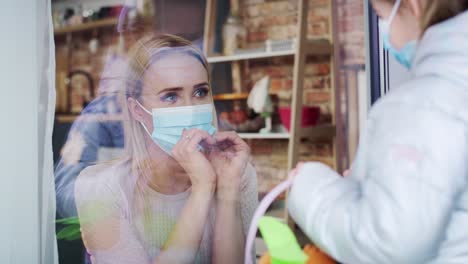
406, 198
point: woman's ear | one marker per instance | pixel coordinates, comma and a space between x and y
136, 111
416, 7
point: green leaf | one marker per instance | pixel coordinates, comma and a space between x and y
74, 236
281, 242
69, 232
68, 221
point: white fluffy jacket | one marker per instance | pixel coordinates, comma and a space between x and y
406, 200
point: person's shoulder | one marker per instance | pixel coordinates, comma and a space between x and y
103, 172
100, 181
410, 116
101, 206
430, 94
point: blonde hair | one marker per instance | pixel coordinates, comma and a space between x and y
436, 11
144, 53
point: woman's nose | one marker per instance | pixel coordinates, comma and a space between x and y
188, 100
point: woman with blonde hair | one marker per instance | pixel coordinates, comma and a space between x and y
184, 193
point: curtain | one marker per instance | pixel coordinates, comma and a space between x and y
27, 70
48, 249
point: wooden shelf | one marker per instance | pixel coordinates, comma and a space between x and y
304, 51
264, 135
319, 132
230, 96
248, 56
312, 47
70, 118
235, 96
313, 133
107, 22
318, 47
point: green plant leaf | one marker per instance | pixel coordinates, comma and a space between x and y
73, 236
68, 220
69, 232
281, 242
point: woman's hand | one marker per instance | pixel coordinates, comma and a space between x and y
194, 162
229, 159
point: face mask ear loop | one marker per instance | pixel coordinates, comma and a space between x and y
145, 128
141, 123
142, 107
394, 11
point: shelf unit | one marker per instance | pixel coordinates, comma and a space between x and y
264, 135
302, 48
313, 133
66, 118
235, 96
312, 46
107, 22
68, 33
230, 96
87, 117
249, 56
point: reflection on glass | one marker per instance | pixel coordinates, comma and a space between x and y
120, 163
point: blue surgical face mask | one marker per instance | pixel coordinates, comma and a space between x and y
404, 55
169, 123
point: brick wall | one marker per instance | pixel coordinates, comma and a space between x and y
317, 82
270, 159
277, 20
351, 32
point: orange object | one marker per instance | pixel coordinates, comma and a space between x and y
265, 259
231, 96
316, 256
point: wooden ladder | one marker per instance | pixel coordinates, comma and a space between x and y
304, 48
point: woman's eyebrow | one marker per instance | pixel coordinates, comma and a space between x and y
201, 85
176, 89
170, 89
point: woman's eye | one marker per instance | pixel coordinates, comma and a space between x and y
170, 97
202, 92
